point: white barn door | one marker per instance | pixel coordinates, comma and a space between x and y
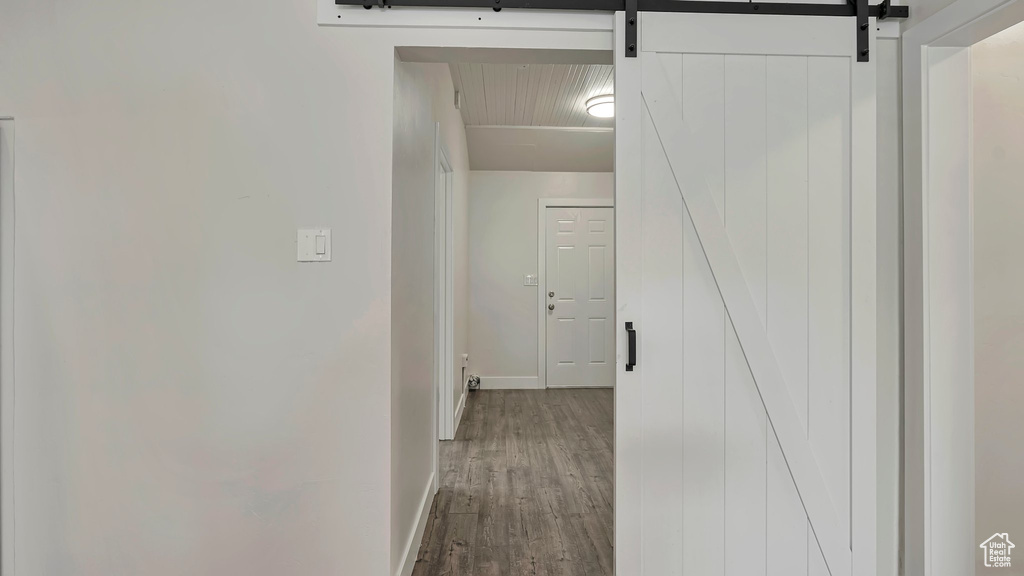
746, 215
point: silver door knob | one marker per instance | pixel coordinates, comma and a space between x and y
551, 294
551, 306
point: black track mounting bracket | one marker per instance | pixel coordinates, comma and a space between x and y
632, 25
863, 30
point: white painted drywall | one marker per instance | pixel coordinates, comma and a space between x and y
423, 96
503, 248
998, 69
190, 400
412, 305
920, 10
950, 407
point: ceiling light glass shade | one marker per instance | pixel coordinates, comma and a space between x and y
601, 106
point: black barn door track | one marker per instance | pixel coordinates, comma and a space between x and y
859, 10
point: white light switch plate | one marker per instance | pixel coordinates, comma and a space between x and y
314, 245
530, 280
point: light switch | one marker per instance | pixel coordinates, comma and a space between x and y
314, 245
530, 280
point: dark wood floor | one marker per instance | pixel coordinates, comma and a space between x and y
526, 488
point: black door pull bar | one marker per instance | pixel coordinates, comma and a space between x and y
632, 347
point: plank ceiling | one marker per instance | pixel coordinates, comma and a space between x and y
531, 94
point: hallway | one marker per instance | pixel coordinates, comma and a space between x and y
526, 488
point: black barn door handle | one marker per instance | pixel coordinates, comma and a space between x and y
632, 347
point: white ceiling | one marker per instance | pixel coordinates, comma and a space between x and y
496, 94
526, 109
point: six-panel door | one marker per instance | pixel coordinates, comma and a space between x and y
580, 297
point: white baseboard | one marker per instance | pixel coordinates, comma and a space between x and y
412, 547
509, 383
459, 411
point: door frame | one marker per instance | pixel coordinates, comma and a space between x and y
444, 299
7, 209
938, 279
542, 206
534, 33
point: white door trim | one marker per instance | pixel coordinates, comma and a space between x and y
542, 205
628, 300
7, 345
938, 284
864, 515
444, 301
330, 14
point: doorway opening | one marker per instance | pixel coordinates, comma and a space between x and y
962, 125
513, 248
998, 338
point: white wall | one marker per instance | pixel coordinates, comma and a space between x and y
190, 399
998, 69
424, 95
920, 10
412, 306
502, 249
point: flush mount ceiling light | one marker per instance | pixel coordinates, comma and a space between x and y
601, 106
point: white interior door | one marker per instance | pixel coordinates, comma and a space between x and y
580, 288
745, 439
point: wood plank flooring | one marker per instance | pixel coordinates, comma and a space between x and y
526, 488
